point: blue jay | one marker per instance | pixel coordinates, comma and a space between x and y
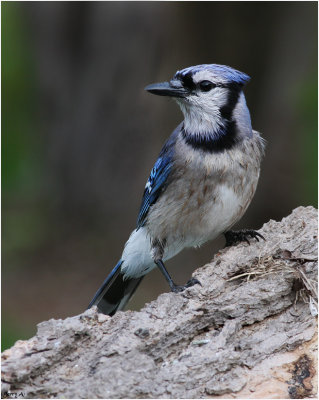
201, 184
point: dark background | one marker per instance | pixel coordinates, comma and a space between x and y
80, 135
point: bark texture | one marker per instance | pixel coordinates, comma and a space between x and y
248, 332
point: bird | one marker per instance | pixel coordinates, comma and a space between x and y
203, 181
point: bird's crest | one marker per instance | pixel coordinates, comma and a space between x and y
219, 73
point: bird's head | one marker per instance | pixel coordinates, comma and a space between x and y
207, 95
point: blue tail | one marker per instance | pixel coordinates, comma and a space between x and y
115, 292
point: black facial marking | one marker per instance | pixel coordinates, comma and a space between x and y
233, 95
227, 136
187, 81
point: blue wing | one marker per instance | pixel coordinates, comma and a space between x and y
158, 180
155, 185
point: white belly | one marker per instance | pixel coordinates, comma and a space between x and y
185, 227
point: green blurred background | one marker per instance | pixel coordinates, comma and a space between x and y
80, 135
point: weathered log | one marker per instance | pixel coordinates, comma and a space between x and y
248, 332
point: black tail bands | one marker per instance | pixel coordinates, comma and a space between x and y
115, 292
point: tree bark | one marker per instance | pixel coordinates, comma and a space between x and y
248, 332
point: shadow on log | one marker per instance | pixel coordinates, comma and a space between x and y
249, 332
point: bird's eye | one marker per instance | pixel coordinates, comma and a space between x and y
206, 86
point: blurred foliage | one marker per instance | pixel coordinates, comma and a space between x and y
307, 101
13, 331
71, 185
19, 149
20, 165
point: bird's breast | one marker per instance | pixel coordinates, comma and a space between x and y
205, 197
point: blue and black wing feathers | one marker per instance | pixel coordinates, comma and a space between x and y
154, 186
159, 177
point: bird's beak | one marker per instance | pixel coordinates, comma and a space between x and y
173, 88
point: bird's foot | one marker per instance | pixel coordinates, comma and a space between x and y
181, 288
234, 237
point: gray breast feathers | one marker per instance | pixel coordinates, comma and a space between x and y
210, 193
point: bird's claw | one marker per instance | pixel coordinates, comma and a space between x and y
234, 237
190, 283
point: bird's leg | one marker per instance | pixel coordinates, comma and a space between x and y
234, 237
175, 288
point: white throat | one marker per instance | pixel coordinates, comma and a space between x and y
202, 116
202, 113
200, 121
